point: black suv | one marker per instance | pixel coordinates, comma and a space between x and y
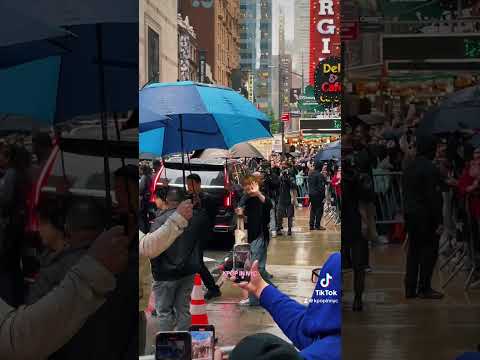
220, 179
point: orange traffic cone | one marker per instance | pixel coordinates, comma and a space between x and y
151, 304
198, 306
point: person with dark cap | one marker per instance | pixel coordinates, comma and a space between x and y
422, 186
174, 269
314, 329
203, 201
316, 186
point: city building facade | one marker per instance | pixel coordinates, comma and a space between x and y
216, 25
256, 49
302, 38
188, 59
158, 41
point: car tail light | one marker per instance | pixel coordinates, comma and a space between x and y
153, 185
227, 200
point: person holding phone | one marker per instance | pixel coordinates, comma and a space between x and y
174, 269
313, 329
256, 208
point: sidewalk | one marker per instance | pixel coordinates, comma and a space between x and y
391, 327
290, 260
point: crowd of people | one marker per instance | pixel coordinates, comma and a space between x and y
433, 181
63, 262
177, 232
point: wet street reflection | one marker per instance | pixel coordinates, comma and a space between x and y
290, 260
392, 327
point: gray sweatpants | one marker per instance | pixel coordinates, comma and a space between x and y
172, 303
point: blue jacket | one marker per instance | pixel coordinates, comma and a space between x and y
313, 329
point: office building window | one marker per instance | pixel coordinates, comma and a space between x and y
153, 56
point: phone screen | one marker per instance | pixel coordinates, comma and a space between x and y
202, 345
242, 263
172, 347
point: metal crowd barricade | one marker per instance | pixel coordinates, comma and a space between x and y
464, 254
302, 190
331, 210
389, 196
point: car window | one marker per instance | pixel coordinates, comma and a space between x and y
209, 178
84, 173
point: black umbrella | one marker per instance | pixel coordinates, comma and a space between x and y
458, 112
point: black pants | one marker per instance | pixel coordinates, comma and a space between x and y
316, 212
207, 278
422, 254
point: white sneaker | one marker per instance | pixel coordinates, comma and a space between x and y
244, 302
274, 234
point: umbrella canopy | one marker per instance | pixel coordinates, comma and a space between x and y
61, 91
243, 150
374, 118
199, 116
331, 151
459, 111
18, 27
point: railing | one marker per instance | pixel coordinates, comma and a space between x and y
389, 196
462, 251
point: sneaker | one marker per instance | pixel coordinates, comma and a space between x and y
213, 294
274, 234
244, 302
368, 270
431, 294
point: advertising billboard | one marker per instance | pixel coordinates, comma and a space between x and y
325, 39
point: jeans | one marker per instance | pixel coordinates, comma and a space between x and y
172, 303
258, 250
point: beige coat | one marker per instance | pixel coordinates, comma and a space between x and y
34, 332
152, 245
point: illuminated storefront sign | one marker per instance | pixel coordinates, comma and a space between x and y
324, 32
328, 81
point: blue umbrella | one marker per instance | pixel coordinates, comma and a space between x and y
107, 81
187, 116
18, 27
199, 115
104, 48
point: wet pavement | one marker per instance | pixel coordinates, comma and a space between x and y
392, 327
290, 260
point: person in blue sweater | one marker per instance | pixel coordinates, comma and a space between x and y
314, 329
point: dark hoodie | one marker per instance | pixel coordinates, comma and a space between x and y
313, 329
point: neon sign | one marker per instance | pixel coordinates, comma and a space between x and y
328, 82
324, 32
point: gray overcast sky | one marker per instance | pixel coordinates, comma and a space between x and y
288, 7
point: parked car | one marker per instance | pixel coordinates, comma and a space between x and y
220, 179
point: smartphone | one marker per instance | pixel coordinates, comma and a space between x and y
173, 345
242, 262
203, 342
